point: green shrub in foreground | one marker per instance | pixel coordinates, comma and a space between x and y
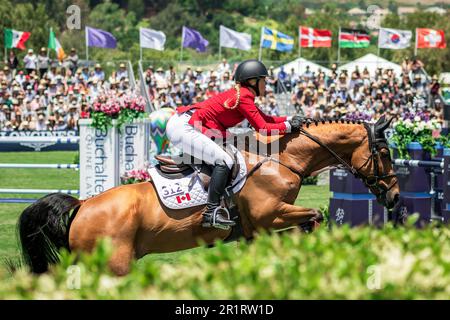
344, 263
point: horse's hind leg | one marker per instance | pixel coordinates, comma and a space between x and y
121, 258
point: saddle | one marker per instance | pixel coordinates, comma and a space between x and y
174, 168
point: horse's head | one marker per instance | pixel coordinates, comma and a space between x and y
374, 164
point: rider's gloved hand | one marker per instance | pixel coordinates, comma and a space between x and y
295, 123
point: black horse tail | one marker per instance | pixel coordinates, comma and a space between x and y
44, 229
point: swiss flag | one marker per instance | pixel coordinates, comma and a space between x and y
185, 198
430, 38
314, 38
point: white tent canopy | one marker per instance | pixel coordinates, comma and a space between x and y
299, 66
371, 62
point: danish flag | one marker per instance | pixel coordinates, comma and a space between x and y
430, 38
186, 197
314, 38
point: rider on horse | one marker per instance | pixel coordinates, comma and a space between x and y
197, 129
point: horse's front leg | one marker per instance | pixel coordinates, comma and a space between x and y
291, 215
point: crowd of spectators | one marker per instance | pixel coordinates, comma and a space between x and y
38, 93
313, 94
364, 95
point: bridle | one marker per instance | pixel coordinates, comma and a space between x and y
376, 143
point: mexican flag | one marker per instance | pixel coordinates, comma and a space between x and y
54, 44
353, 38
16, 39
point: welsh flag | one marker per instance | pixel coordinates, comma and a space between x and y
16, 39
54, 44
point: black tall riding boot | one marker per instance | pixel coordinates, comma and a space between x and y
211, 218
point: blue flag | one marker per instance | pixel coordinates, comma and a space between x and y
100, 38
193, 39
276, 40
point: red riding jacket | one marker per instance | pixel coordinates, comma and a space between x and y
213, 115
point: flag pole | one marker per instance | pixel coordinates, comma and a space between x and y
299, 41
260, 45
378, 55
87, 42
220, 43
182, 39
415, 45
339, 47
140, 47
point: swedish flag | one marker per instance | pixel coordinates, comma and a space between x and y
276, 40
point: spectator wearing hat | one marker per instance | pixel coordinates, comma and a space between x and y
211, 90
12, 62
41, 124
72, 60
122, 73
7, 73
99, 74
225, 83
8, 126
223, 67
199, 76
30, 61
42, 62
171, 75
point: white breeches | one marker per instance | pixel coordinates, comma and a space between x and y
192, 142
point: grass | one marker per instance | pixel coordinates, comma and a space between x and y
310, 196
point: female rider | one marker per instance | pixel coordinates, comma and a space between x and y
194, 128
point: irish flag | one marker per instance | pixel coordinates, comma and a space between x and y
16, 39
54, 44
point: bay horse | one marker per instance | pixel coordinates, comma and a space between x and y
133, 217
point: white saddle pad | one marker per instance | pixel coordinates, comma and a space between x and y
176, 193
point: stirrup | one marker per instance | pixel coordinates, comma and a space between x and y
216, 224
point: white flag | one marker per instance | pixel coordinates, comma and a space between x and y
152, 39
394, 39
233, 39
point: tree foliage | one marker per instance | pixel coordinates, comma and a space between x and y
123, 19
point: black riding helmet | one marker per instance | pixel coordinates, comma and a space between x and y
250, 69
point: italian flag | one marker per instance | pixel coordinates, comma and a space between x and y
54, 44
353, 38
16, 39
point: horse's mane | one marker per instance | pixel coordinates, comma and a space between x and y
252, 143
308, 121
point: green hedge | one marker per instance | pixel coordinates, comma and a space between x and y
343, 263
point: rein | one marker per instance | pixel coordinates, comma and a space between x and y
370, 181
